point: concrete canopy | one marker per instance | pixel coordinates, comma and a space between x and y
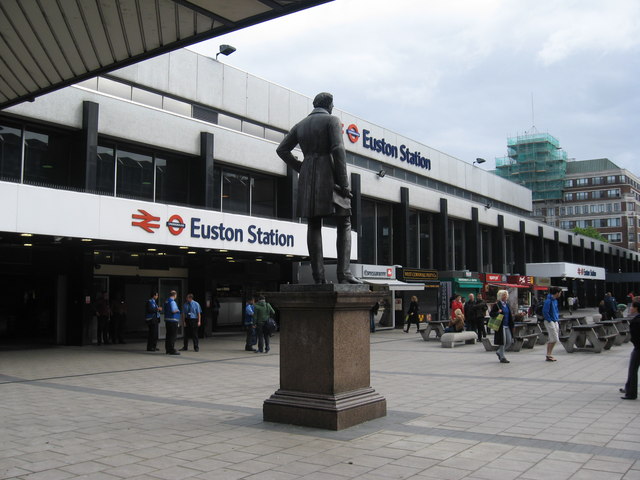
47, 44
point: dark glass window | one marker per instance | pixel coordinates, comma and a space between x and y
217, 188
384, 244
368, 253
134, 174
426, 240
377, 245
172, 179
10, 153
105, 180
46, 159
235, 192
414, 235
263, 196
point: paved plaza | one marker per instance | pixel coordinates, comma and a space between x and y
116, 412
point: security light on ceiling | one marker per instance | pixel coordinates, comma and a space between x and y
225, 50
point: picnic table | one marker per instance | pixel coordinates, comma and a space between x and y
564, 329
436, 326
525, 335
591, 337
620, 327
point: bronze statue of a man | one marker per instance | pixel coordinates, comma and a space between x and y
323, 185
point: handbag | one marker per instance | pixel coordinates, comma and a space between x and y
271, 326
495, 322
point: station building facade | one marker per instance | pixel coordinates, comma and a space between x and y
163, 175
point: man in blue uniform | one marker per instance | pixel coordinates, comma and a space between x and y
152, 319
171, 322
191, 318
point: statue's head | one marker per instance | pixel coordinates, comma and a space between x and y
323, 100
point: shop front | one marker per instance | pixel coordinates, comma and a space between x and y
395, 295
428, 299
584, 282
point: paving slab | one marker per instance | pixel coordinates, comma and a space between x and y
115, 412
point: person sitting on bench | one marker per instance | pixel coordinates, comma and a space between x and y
457, 323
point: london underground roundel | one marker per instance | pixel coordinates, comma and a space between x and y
175, 225
352, 133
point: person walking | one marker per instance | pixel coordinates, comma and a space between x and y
250, 325
504, 334
152, 319
171, 323
469, 316
373, 311
631, 387
413, 315
570, 301
551, 316
191, 319
262, 311
610, 305
103, 312
479, 311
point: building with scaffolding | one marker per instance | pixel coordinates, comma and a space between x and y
536, 161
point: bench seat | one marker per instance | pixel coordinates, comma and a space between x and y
449, 339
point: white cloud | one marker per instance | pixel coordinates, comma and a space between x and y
458, 75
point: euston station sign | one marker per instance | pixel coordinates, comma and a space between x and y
380, 145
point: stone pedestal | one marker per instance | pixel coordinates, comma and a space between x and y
324, 357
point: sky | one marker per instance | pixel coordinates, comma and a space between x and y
461, 76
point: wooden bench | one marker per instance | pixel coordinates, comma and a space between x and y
450, 339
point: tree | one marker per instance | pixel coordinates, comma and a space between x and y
590, 232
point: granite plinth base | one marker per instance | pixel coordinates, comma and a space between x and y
331, 412
324, 357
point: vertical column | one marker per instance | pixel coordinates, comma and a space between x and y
474, 243
442, 260
211, 190
520, 254
89, 144
583, 253
499, 247
569, 250
401, 229
556, 254
540, 257
75, 288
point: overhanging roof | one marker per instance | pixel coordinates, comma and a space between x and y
47, 44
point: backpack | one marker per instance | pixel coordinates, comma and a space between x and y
539, 308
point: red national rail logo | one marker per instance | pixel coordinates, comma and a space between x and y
146, 221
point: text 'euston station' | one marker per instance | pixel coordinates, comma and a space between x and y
403, 153
253, 233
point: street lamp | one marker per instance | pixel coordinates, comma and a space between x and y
225, 50
478, 161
